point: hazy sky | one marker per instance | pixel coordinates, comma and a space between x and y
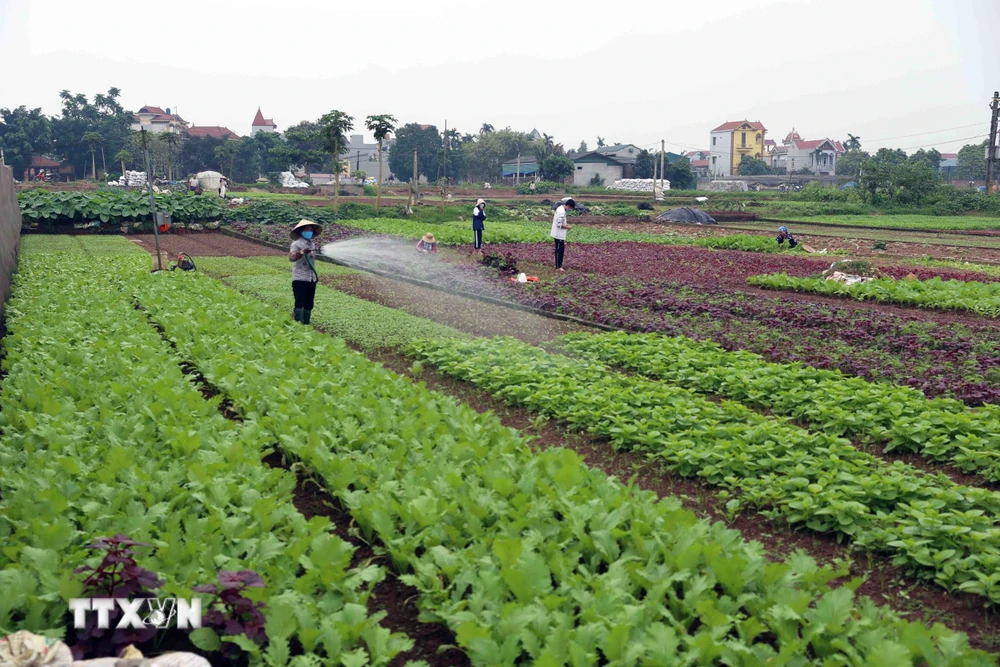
636, 71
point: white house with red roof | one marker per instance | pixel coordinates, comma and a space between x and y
261, 124
155, 119
731, 143
819, 156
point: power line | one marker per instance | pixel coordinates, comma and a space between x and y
945, 143
920, 134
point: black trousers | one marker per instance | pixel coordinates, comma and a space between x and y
479, 238
305, 292
560, 251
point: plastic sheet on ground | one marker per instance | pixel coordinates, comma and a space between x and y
687, 214
288, 180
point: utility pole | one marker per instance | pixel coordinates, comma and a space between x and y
517, 174
357, 164
152, 202
446, 142
991, 151
663, 152
416, 178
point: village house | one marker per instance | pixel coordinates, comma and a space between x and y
819, 156
261, 124
699, 162
609, 166
731, 143
157, 120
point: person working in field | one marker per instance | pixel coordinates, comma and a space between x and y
478, 220
304, 277
183, 262
427, 244
559, 228
785, 235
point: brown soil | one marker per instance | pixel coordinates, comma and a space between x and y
206, 244
468, 315
884, 583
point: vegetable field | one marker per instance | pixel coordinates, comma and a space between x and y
329, 511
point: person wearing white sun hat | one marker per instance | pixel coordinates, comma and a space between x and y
304, 276
478, 220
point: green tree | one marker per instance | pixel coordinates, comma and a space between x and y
487, 155
123, 156
305, 144
24, 134
381, 125
93, 139
198, 153
875, 178
226, 152
853, 142
913, 181
972, 162
556, 168
680, 175
931, 158
600, 142
169, 140
582, 148
486, 128
645, 164
751, 166
335, 126
890, 156
426, 141
849, 164
104, 116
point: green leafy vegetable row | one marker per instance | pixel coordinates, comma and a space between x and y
900, 418
458, 233
113, 207
528, 557
103, 434
934, 527
975, 297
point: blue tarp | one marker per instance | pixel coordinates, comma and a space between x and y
527, 169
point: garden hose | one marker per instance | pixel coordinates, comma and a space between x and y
312, 265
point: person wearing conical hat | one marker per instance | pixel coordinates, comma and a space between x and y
428, 243
478, 218
304, 277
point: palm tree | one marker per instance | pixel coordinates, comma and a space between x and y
816, 155
600, 142
93, 139
486, 128
334, 127
123, 156
853, 142
170, 139
381, 126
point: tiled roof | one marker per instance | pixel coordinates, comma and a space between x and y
259, 120
732, 125
40, 162
699, 163
814, 144
216, 131
156, 110
949, 156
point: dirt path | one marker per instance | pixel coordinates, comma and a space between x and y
468, 315
204, 244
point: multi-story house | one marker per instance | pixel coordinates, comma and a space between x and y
733, 142
155, 119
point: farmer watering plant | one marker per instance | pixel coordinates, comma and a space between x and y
427, 244
559, 227
304, 276
478, 218
785, 235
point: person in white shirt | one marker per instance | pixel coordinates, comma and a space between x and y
559, 227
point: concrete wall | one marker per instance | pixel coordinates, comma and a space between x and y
584, 171
10, 232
